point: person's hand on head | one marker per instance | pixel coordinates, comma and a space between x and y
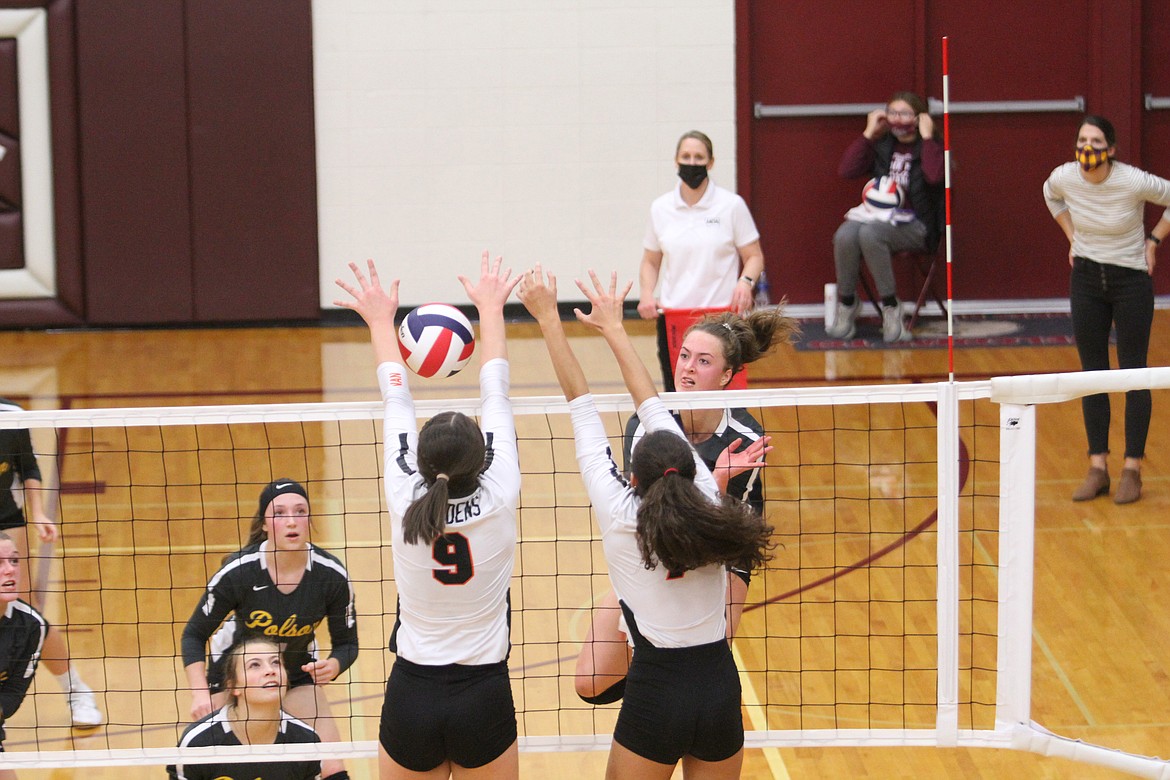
375, 305
606, 304
925, 125
876, 124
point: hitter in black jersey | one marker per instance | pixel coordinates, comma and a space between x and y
22, 634
22, 495
282, 587
255, 684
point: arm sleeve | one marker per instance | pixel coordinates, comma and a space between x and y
497, 421
26, 459
13, 690
343, 635
1155, 189
745, 230
933, 161
400, 432
603, 481
857, 160
629, 440
215, 605
656, 417
650, 238
1053, 195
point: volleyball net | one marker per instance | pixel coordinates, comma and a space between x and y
897, 609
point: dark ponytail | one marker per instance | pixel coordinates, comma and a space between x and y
679, 527
450, 458
746, 339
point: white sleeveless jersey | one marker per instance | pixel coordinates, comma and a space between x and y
453, 595
680, 611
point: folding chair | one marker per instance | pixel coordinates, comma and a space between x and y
925, 265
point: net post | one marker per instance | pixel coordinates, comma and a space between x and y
1017, 451
947, 605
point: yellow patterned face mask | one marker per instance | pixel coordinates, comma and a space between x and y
1090, 158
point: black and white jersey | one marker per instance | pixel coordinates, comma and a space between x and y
22, 634
735, 424
672, 611
215, 731
18, 463
243, 586
453, 594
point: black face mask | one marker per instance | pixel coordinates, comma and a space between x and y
692, 175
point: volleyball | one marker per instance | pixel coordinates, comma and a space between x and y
882, 194
436, 340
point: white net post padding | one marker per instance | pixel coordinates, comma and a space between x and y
947, 718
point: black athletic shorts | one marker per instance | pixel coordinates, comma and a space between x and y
432, 714
681, 701
16, 520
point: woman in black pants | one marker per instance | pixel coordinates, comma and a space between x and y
1099, 203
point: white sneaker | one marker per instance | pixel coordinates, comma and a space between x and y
893, 327
83, 707
844, 326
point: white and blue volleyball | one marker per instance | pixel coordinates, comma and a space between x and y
882, 195
436, 340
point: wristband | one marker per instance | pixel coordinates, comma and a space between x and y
1151, 237
748, 279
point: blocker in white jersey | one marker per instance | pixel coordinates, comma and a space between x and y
453, 489
453, 592
667, 535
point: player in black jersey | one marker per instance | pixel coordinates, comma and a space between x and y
282, 587
21, 492
255, 683
22, 634
730, 441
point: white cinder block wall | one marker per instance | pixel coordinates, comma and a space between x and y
537, 129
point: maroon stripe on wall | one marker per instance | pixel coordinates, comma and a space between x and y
253, 160
133, 127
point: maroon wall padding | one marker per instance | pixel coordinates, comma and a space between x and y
253, 161
66, 162
1155, 123
68, 307
1006, 245
11, 224
134, 174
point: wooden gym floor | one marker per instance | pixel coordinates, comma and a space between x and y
1100, 625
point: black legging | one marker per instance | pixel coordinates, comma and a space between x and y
664, 356
1102, 295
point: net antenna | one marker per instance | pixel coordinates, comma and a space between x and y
946, 88
897, 611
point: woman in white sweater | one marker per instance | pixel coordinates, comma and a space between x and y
1099, 203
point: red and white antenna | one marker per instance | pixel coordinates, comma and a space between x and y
947, 234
